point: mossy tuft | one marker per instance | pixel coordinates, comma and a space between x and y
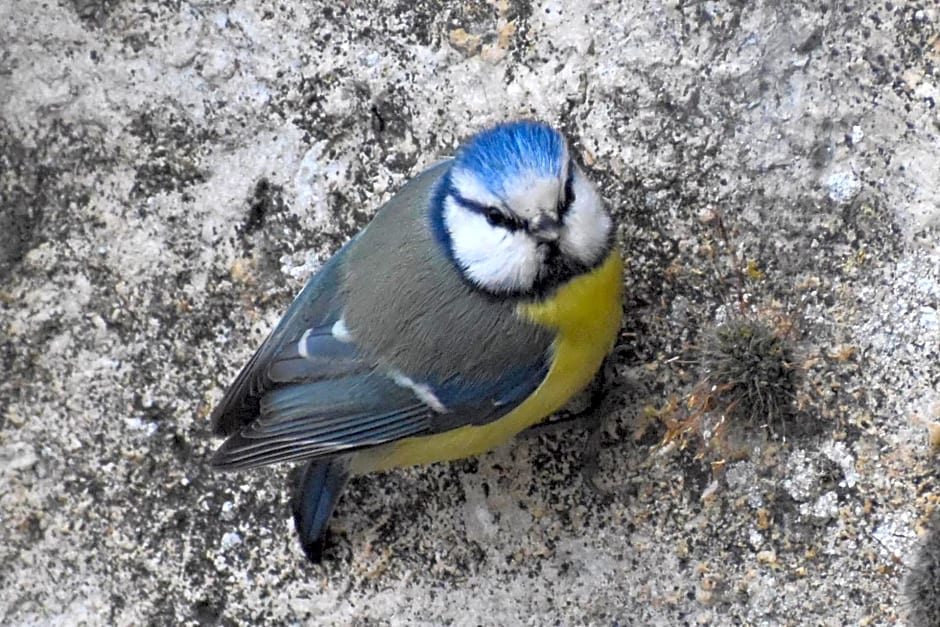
750, 375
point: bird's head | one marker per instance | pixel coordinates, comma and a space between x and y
517, 215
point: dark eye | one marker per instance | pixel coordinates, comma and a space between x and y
495, 217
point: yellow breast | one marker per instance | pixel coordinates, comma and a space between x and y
586, 315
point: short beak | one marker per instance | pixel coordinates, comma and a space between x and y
545, 229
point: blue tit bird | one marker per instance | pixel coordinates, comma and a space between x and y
480, 299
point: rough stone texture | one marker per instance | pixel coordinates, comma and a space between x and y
171, 171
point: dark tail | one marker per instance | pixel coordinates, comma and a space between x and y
318, 489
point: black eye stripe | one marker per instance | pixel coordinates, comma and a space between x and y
493, 215
565, 206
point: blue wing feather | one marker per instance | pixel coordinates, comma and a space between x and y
321, 419
318, 304
323, 357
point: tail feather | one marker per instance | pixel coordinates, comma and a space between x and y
318, 489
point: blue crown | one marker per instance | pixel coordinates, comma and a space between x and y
501, 154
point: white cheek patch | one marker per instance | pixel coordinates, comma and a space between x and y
493, 257
587, 225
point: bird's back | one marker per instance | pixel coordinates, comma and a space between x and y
406, 303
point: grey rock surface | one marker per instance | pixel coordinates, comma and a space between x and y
170, 172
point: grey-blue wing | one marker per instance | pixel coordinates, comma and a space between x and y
318, 304
321, 398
